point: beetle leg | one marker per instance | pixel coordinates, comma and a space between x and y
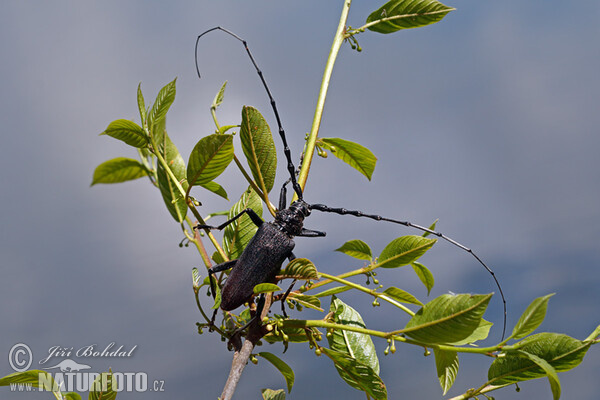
251, 213
311, 233
218, 268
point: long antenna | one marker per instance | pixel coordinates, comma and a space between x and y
286, 149
343, 211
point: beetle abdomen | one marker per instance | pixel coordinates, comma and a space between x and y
259, 262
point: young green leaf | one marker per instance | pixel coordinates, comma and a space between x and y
270, 394
120, 169
195, 278
173, 198
104, 387
357, 374
209, 158
404, 250
357, 249
401, 296
353, 154
71, 396
594, 335
306, 300
404, 14
219, 96
357, 345
446, 363
141, 103
259, 148
431, 228
532, 317
301, 268
266, 288
560, 351
238, 233
286, 371
161, 105
424, 275
448, 318
128, 132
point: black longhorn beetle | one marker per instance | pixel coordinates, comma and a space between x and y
262, 258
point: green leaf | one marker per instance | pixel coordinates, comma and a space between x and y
219, 96
34, 377
532, 317
357, 374
404, 250
332, 291
353, 154
306, 300
141, 103
266, 288
209, 158
286, 371
225, 128
424, 275
595, 334
560, 351
173, 198
259, 148
195, 278
301, 268
431, 228
128, 132
240, 232
480, 333
356, 345
161, 105
104, 387
404, 14
120, 169
550, 373
357, 249
269, 394
448, 318
215, 188
446, 363
402, 296
71, 396
217, 294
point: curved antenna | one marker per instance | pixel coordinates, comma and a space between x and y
286, 149
343, 211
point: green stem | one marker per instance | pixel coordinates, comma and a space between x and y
314, 131
298, 323
371, 292
348, 274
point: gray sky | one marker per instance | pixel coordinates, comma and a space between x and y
487, 121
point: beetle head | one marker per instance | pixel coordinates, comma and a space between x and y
291, 220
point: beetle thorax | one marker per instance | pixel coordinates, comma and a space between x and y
291, 220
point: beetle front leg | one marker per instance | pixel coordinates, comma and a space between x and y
218, 268
251, 213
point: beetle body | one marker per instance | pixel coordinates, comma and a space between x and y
259, 262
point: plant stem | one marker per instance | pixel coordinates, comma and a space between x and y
371, 292
314, 131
